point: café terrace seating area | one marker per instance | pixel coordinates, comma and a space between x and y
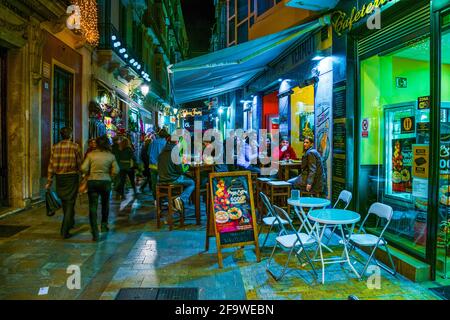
291, 224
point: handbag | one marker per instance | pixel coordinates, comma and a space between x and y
83, 187
52, 203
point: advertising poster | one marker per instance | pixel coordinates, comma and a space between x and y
302, 116
420, 161
402, 157
324, 124
233, 211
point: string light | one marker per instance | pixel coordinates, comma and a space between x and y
89, 20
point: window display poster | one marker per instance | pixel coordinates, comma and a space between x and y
233, 210
420, 161
402, 164
444, 158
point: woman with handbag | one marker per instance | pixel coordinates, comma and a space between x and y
101, 165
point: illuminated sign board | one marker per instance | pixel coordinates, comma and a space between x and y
343, 21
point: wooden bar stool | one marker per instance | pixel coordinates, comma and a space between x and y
171, 191
279, 193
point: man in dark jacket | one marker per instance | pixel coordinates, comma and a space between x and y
169, 172
154, 150
311, 177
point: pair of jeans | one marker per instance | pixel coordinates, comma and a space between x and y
123, 178
147, 179
153, 181
67, 190
96, 189
189, 187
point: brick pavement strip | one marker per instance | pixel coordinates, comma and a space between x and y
136, 254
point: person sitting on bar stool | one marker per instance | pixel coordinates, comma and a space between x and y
172, 173
311, 178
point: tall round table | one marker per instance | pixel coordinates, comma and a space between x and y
334, 217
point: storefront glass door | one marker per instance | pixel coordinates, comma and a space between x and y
394, 141
443, 240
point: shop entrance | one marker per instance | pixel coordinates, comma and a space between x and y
3, 141
394, 141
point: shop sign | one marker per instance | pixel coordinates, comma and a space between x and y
191, 113
365, 128
342, 21
401, 82
408, 125
423, 102
420, 161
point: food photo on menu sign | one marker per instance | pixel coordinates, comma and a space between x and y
232, 210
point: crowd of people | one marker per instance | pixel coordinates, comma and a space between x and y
106, 167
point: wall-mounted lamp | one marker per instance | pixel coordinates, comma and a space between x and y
145, 89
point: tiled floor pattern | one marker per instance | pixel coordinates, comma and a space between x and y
136, 254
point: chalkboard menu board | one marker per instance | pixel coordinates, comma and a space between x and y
339, 139
233, 210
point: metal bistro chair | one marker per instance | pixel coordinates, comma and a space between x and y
291, 240
346, 197
364, 239
270, 220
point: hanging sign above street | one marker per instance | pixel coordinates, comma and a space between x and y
191, 113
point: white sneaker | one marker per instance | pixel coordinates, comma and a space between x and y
176, 203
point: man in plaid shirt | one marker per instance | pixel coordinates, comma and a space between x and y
65, 163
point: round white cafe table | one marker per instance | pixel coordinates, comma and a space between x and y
334, 217
309, 202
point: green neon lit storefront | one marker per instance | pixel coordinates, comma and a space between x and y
397, 124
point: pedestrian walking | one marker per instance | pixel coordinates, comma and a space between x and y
64, 165
145, 160
127, 162
92, 145
101, 166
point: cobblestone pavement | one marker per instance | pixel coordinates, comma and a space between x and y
135, 254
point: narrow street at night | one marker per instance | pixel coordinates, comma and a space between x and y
217, 158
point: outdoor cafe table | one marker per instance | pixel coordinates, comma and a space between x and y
334, 217
286, 166
196, 170
307, 202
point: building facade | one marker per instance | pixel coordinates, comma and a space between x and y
391, 119
53, 75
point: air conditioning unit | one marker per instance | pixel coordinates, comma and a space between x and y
313, 5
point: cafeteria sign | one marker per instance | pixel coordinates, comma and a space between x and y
233, 211
342, 21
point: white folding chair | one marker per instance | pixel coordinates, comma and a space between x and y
345, 197
291, 240
270, 220
363, 239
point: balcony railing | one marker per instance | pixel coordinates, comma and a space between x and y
110, 39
